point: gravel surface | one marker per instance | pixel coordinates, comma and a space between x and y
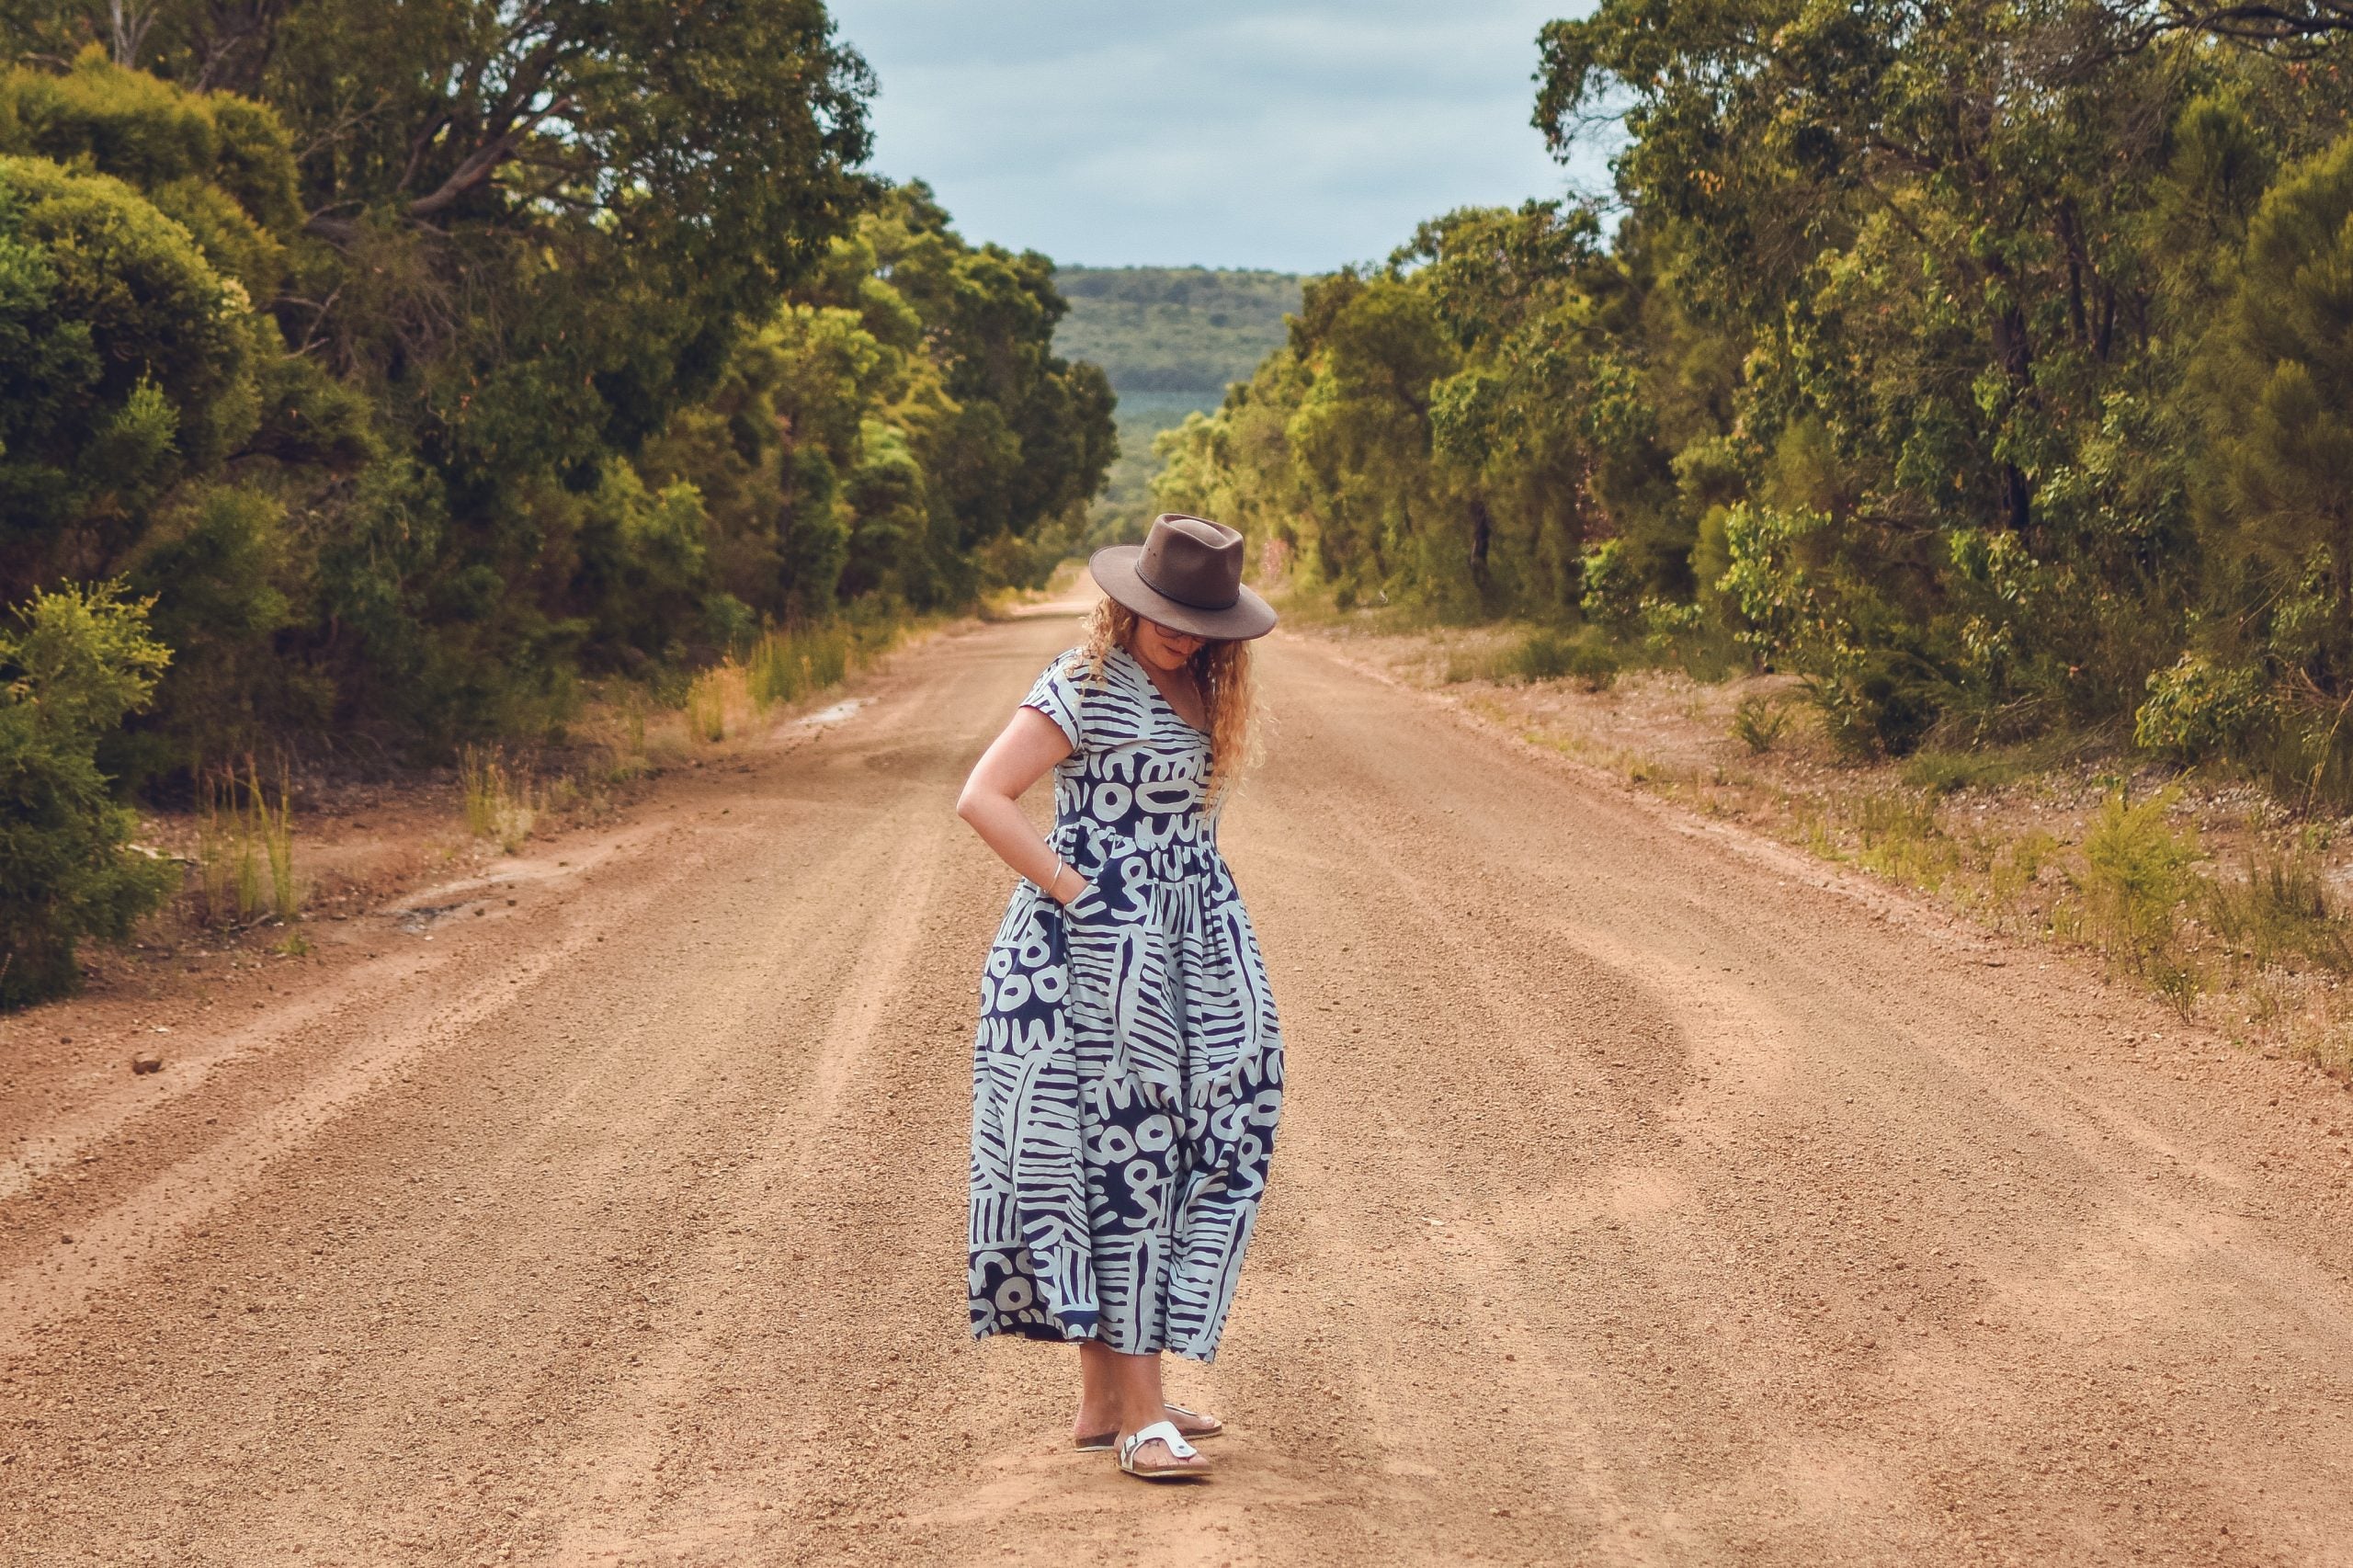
1647, 1193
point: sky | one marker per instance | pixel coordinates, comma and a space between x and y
1291, 134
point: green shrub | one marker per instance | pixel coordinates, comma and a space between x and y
1757, 722
74, 665
1881, 702
129, 359
2198, 709
2138, 876
1613, 591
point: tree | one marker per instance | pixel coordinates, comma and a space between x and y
72, 667
126, 363
2279, 386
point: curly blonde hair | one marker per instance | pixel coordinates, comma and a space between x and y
1222, 670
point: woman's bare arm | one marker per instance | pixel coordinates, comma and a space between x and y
992, 800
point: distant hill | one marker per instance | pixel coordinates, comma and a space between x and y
1170, 338
1173, 329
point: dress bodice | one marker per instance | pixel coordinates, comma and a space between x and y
1133, 782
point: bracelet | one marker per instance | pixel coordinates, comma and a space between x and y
1054, 880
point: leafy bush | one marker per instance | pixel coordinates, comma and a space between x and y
1612, 596
2198, 709
2138, 877
1878, 702
403, 454
220, 165
73, 666
125, 362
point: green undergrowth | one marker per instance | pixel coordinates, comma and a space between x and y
2255, 940
1542, 653
630, 733
2248, 933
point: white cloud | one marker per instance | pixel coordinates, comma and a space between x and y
1297, 134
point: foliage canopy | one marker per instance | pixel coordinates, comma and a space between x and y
1986, 364
411, 365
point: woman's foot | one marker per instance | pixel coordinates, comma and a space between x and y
1160, 1453
1091, 1435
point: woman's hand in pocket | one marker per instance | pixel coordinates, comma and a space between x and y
1064, 884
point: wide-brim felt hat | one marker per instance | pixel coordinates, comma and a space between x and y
1186, 575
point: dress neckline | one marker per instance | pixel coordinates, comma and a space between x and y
1159, 696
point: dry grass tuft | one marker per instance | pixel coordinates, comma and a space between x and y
502, 801
246, 849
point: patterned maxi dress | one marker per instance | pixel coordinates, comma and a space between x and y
1128, 1070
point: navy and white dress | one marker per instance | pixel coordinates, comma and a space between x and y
1128, 1071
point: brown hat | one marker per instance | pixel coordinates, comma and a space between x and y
1187, 577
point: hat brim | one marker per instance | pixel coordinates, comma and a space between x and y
1114, 569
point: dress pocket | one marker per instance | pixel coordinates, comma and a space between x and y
1114, 892
1027, 979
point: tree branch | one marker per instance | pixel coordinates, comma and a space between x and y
478, 165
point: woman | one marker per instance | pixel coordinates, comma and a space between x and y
1127, 1073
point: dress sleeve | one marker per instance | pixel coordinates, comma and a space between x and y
1057, 696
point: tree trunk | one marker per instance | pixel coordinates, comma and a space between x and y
2013, 347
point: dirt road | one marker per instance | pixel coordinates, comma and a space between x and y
1646, 1194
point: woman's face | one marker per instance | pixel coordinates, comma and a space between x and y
1162, 649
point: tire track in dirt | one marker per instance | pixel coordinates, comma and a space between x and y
1638, 1200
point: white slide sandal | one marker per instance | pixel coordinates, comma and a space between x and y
1104, 1442
1161, 1432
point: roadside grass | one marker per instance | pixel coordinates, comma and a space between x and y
2138, 880
2260, 947
1758, 722
2255, 942
785, 666
1898, 836
2013, 870
503, 799
244, 849
1945, 772
718, 703
2279, 910
2068, 838
631, 731
1005, 603
782, 667
1537, 654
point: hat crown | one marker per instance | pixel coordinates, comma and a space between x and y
1193, 561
